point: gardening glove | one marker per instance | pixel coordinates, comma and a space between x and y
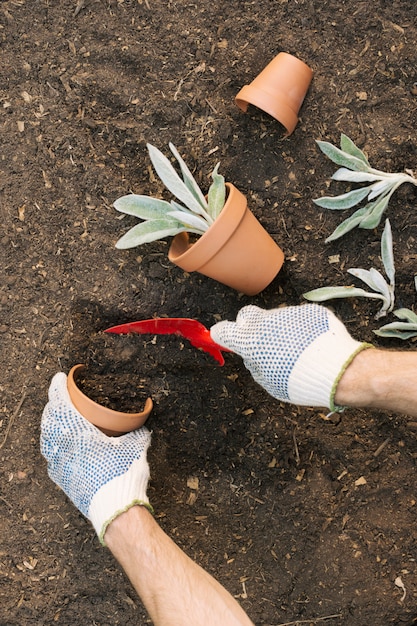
298, 353
103, 476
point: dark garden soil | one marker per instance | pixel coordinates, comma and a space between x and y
305, 519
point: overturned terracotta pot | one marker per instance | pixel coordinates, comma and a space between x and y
279, 90
110, 422
236, 250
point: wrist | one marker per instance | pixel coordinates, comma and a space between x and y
358, 386
135, 537
128, 526
380, 379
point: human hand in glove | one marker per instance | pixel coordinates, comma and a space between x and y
298, 353
103, 476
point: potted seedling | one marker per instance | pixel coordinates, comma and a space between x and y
381, 289
230, 244
355, 168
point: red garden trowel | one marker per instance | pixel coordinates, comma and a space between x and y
196, 333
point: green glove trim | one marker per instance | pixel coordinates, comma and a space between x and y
334, 408
117, 513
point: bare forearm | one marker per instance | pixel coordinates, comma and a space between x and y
174, 589
381, 379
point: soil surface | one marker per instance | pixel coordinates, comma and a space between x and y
305, 519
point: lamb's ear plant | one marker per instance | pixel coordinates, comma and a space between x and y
193, 213
355, 168
406, 328
382, 290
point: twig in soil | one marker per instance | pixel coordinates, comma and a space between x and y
297, 454
381, 447
13, 417
285, 227
6, 503
212, 107
314, 620
178, 88
80, 5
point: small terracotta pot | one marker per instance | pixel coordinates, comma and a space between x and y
111, 423
279, 90
236, 250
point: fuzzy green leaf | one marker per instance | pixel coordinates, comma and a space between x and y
406, 314
397, 330
329, 293
344, 201
380, 188
148, 231
144, 207
387, 252
382, 285
348, 224
343, 174
190, 220
348, 146
188, 178
216, 194
375, 212
342, 158
172, 181
373, 279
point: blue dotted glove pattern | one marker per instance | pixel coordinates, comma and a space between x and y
81, 459
271, 342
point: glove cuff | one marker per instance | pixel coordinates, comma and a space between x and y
118, 495
334, 407
332, 352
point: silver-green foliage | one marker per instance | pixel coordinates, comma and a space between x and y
355, 168
163, 219
406, 328
382, 290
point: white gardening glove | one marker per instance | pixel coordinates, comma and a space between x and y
298, 353
103, 476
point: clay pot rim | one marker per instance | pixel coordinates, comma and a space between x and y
217, 235
109, 421
265, 93
274, 105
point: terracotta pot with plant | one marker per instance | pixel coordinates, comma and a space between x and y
110, 422
279, 90
233, 247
